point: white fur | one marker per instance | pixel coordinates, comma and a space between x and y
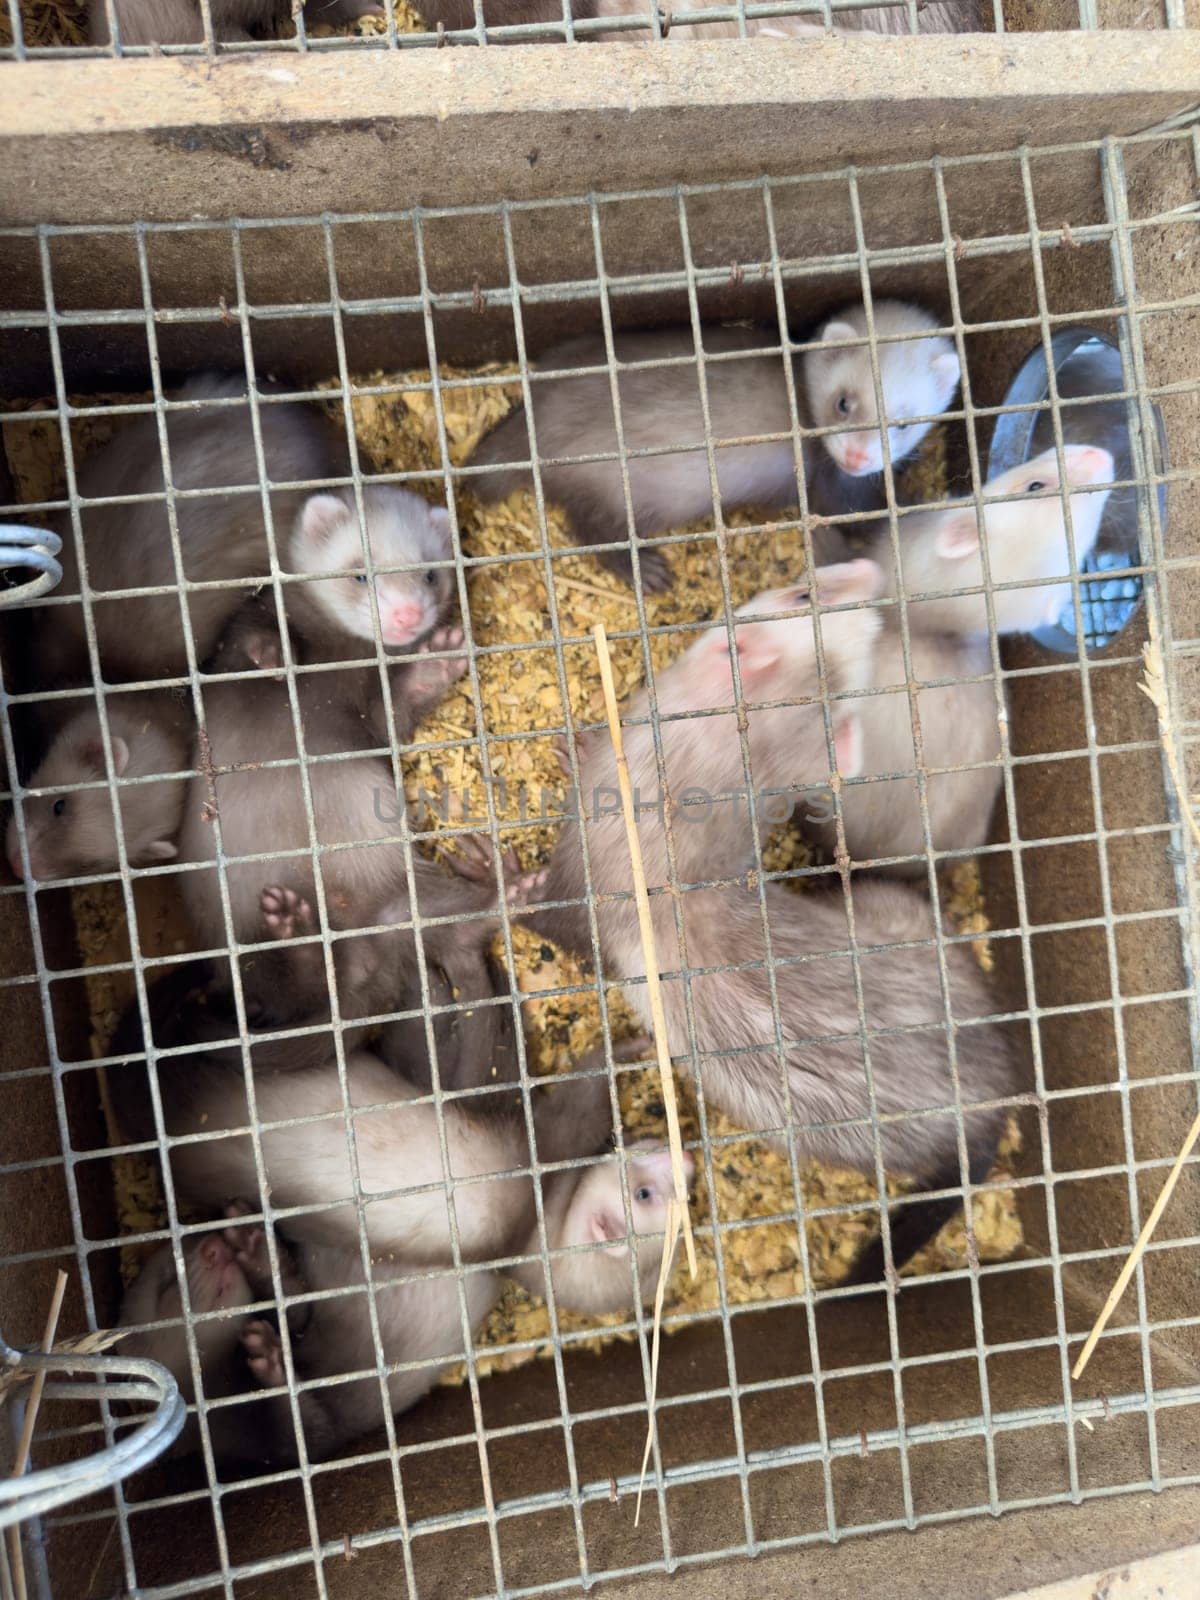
1026, 539
403, 531
918, 378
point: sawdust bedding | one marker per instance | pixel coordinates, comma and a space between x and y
520, 693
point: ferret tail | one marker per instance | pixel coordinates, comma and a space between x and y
506, 444
912, 1225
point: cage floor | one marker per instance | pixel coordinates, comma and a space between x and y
519, 691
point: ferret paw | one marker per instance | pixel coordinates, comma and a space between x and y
285, 913
655, 571
430, 679
264, 1353
473, 858
248, 1241
653, 568
562, 754
526, 887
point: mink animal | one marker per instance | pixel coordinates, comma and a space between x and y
222, 536
228, 1271
661, 410
829, 1088
361, 828
73, 833
329, 599
420, 1320
940, 551
179, 21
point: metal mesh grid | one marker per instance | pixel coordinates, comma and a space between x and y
467, 22
1033, 244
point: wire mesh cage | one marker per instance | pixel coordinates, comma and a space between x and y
139, 28
791, 1409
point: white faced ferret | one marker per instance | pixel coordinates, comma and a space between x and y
179, 21
71, 834
221, 535
661, 410
228, 1272
1026, 540
223, 541
821, 1095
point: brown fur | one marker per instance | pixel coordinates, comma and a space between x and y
72, 834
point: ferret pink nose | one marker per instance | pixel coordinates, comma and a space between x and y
855, 458
404, 619
1090, 464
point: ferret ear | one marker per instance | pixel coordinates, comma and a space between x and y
92, 754
946, 370
958, 536
320, 517
848, 743
845, 581
605, 1228
162, 850
439, 517
836, 330
759, 648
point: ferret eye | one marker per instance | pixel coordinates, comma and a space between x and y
843, 405
643, 1194
59, 806
431, 577
1036, 486
360, 577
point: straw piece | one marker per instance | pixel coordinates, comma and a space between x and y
26, 1443
1153, 686
1135, 1255
649, 953
675, 1215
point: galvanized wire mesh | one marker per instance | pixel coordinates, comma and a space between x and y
1031, 248
31, 36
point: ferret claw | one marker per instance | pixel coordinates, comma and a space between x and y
264, 1353
562, 754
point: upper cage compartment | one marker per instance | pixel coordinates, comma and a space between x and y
141, 27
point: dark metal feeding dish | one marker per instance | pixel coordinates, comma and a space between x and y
1086, 363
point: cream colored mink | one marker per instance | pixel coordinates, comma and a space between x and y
597, 1265
1026, 540
69, 835
661, 410
818, 1094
